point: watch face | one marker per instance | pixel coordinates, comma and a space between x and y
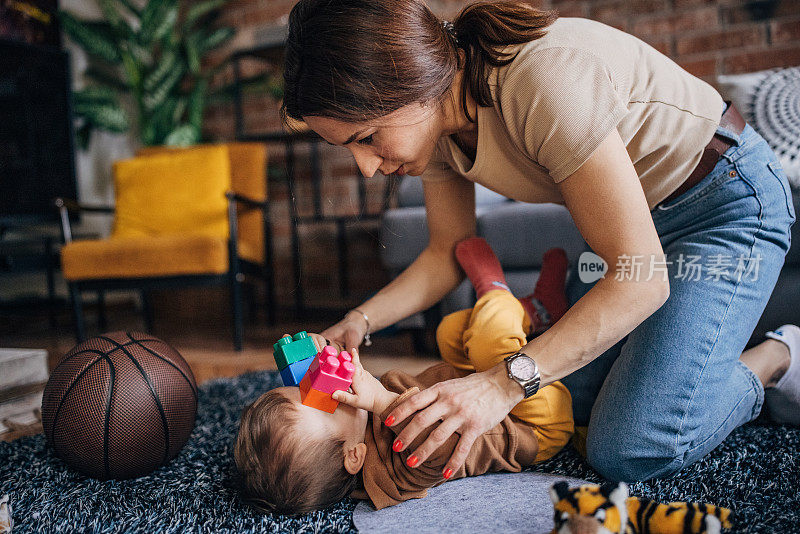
523, 368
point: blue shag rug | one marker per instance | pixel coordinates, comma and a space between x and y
756, 472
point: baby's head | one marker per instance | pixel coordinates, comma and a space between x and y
295, 459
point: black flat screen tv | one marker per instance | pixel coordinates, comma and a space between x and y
37, 150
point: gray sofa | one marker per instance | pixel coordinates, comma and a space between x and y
520, 233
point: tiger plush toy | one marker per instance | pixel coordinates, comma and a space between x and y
608, 509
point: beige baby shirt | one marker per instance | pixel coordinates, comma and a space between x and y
562, 95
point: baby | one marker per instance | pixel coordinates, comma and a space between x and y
295, 459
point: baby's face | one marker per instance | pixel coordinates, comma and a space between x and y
347, 423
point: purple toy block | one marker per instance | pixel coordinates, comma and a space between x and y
330, 371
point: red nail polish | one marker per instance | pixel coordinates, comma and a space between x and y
397, 445
412, 461
389, 420
448, 473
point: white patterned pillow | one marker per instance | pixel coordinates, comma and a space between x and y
770, 101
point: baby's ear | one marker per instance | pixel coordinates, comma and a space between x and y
354, 457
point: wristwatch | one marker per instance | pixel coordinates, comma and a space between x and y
523, 370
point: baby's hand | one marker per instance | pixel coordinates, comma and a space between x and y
366, 392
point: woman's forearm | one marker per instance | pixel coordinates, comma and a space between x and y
604, 315
422, 284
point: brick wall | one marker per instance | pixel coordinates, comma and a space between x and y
706, 37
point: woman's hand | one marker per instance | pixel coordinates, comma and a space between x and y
321, 342
367, 392
470, 406
349, 332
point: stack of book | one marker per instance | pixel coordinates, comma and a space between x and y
23, 375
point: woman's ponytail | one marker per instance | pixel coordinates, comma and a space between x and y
483, 29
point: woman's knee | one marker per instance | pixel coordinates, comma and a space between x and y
630, 457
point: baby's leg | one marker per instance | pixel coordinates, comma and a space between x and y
450, 339
496, 329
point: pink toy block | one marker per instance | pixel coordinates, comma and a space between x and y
316, 399
330, 371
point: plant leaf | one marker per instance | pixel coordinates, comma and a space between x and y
97, 38
158, 17
199, 10
101, 112
151, 100
180, 109
197, 103
94, 94
167, 24
216, 38
183, 135
192, 47
169, 60
109, 79
114, 17
131, 7
142, 55
162, 117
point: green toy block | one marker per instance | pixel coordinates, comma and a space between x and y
290, 350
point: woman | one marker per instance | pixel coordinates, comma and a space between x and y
572, 111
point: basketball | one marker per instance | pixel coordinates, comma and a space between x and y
119, 405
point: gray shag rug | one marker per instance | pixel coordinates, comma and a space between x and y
756, 472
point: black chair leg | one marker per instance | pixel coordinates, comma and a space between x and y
77, 311
147, 311
102, 320
236, 309
51, 281
269, 295
249, 291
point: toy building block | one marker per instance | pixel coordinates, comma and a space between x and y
293, 373
293, 349
316, 399
331, 371
328, 372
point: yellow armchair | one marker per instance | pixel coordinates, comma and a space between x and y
189, 216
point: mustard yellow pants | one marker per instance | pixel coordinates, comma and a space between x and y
476, 339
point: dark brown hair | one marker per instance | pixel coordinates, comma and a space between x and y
281, 470
356, 60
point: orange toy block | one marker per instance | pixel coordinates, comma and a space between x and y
315, 398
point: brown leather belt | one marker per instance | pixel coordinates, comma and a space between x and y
731, 120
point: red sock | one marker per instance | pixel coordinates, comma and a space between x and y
548, 302
481, 265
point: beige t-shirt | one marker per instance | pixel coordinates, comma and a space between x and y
560, 98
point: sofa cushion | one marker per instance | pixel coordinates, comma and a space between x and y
520, 233
404, 235
410, 193
144, 257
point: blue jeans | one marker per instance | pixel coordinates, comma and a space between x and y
674, 388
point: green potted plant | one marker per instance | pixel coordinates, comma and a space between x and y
151, 55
